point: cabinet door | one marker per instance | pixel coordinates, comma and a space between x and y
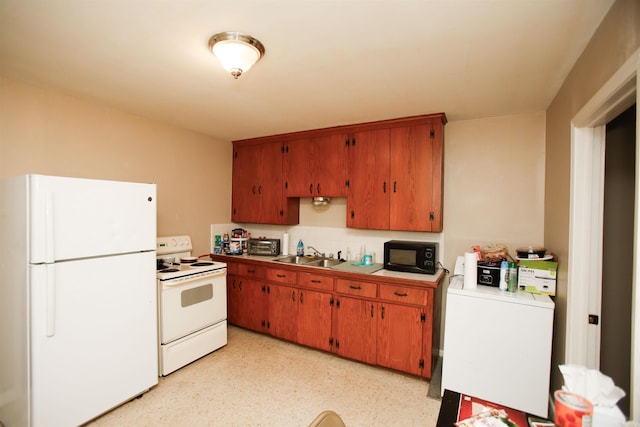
400, 338
252, 305
330, 167
368, 178
270, 191
283, 311
233, 299
298, 167
412, 172
314, 319
355, 331
245, 180
316, 166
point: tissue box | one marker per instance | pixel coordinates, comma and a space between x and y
537, 276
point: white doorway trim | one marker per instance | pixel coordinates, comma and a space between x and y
584, 281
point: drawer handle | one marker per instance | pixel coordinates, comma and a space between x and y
281, 275
251, 271
355, 287
316, 281
400, 294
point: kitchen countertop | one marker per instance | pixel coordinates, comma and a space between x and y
430, 280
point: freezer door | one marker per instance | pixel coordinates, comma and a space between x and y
73, 218
93, 336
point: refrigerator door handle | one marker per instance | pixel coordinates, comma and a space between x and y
51, 301
49, 227
48, 232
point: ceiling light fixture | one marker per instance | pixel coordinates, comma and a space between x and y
236, 51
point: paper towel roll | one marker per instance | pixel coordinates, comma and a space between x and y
470, 270
285, 244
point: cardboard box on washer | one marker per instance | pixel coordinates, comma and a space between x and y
538, 277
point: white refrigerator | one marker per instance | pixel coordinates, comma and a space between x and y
78, 312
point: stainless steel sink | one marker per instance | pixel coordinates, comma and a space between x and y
292, 259
309, 261
325, 262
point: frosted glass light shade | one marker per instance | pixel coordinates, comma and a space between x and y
237, 52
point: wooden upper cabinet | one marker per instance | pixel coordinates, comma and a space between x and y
368, 180
390, 171
257, 185
395, 175
315, 166
411, 179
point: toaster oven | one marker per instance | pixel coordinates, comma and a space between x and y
266, 247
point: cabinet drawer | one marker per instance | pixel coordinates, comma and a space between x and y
403, 295
250, 270
315, 281
356, 287
281, 276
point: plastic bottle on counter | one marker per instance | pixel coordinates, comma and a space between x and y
504, 267
300, 249
512, 285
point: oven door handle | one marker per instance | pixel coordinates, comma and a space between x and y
214, 274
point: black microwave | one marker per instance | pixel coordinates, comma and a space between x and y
411, 257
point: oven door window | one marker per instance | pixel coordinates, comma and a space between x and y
196, 295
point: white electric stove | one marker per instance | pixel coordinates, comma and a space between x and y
192, 305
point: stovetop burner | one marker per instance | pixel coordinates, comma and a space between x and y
201, 264
169, 270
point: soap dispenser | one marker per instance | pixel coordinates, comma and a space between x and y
300, 249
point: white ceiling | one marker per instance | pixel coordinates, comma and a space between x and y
327, 63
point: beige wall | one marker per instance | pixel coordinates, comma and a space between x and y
493, 169
613, 43
494, 183
48, 133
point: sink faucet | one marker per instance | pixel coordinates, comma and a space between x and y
316, 252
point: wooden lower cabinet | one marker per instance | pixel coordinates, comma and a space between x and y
372, 321
400, 332
283, 312
247, 303
314, 319
355, 329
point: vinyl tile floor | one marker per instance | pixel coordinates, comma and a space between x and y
256, 380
